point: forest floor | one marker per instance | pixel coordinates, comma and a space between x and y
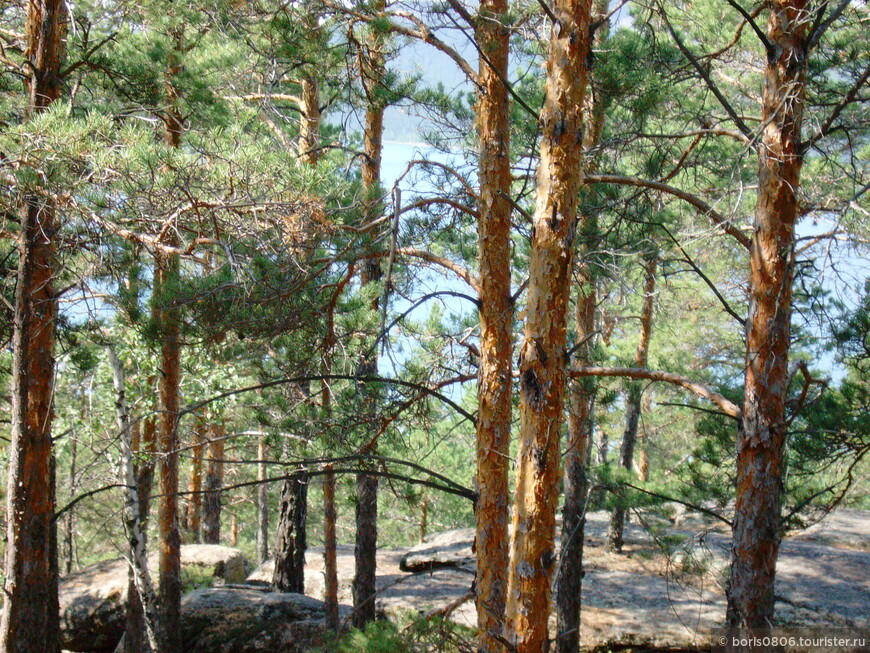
664, 590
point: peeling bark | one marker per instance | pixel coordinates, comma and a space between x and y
761, 436
496, 324
30, 619
542, 358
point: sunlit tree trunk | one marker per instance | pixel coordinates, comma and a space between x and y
496, 323
633, 400
30, 619
309, 106
214, 481
761, 436
542, 358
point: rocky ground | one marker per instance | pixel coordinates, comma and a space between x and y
643, 595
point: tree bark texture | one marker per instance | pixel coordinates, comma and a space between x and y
30, 619
542, 358
633, 401
289, 573
761, 436
581, 418
496, 322
214, 481
165, 278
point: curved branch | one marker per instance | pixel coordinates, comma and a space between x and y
717, 218
723, 403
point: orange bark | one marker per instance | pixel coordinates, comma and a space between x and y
30, 620
761, 437
542, 359
496, 322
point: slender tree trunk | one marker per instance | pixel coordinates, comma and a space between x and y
496, 324
542, 358
30, 619
70, 517
193, 505
132, 512
262, 502
761, 437
289, 574
330, 540
372, 75
214, 481
135, 635
633, 402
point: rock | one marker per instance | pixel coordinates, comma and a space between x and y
444, 550
93, 600
241, 620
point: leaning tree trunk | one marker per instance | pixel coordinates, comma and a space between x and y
633, 402
214, 481
761, 436
30, 619
542, 358
289, 573
496, 323
372, 75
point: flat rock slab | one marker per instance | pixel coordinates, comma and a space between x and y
440, 551
239, 620
93, 600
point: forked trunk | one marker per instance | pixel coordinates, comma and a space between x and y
761, 436
542, 358
496, 323
633, 403
30, 619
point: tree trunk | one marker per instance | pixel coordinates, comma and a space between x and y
193, 505
496, 324
69, 547
214, 481
632, 403
262, 502
569, 579
372, 75
761, 436
289, 574
165, 277
30, 619
132, 511
135, 634
542, 358
330, 562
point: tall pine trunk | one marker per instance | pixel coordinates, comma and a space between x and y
542, 358
761, 436
30, 619
262, 502
496, 323
633, 402
581, 407
193, 505
372, 76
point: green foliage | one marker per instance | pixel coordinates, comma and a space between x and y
408, 635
